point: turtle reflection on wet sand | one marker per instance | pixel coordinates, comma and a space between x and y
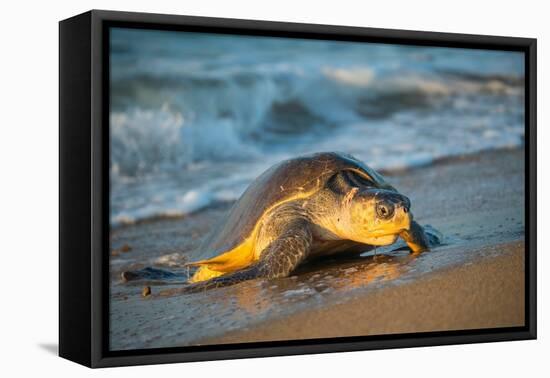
325, 204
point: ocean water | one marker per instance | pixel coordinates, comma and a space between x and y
196, 117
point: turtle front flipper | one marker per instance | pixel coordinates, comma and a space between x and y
420, 239
277, 260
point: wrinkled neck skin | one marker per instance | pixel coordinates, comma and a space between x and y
332, 214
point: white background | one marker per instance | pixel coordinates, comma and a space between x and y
29, 186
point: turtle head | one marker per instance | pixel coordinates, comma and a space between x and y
374, 216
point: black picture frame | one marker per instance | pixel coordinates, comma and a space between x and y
84, 188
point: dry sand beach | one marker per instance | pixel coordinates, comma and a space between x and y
474, 280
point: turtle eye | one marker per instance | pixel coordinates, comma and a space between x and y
384, 210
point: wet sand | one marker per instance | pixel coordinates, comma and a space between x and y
474, 280
487, 294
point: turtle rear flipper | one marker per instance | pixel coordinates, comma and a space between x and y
236, 259
150, 274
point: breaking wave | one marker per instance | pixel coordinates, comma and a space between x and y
195, 117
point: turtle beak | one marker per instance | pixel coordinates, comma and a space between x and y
403, 211
407, 203
408, 219
402, 217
